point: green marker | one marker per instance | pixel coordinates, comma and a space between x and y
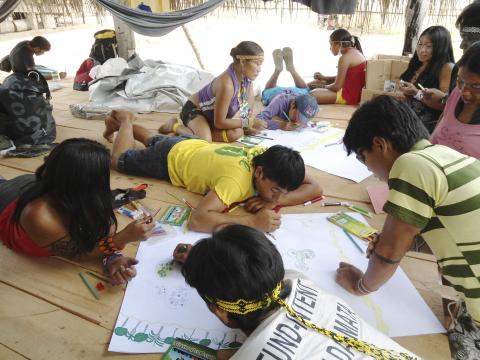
286, 115
360, 210
89, 286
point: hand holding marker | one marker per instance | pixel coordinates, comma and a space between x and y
355, 208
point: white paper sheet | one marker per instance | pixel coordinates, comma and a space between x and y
158, 305
323, 151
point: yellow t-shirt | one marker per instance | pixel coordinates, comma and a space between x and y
200, 166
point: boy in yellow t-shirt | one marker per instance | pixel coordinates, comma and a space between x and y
226, 174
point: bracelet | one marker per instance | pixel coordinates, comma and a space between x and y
444, 99
362, 288
107, 246
107, 260
385, 259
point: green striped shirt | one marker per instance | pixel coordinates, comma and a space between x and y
437, 189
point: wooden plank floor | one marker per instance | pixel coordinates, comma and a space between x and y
47, 313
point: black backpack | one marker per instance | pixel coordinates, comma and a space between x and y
105, 46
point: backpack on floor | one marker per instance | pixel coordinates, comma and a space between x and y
105, 46
26, 109
82, 77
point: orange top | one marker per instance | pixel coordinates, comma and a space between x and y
354, 83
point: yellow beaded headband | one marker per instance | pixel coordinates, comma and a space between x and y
243, 307
250, 57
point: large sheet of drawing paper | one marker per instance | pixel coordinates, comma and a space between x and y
321, 150
159, 306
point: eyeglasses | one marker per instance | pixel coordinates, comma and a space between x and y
462, 84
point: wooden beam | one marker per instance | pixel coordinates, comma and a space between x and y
125, 37
415, 13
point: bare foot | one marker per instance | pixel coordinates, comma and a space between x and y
111, 125
167, 126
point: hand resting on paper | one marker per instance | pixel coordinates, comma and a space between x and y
180, 254
122, 270
348, 276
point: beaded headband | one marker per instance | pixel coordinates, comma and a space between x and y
250, 57
470, 29
243, 307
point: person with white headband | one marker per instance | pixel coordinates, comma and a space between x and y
222, 110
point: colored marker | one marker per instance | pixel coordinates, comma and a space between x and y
314, 200
421, 86
360, 210
353, 241
260, 137
335, 204
286, 115
89, 286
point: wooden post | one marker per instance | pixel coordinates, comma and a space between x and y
125, 37
415, 13
194, 48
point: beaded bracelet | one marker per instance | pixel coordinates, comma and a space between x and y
107, 260
107, 246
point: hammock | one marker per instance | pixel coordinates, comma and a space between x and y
157, 24
7, 7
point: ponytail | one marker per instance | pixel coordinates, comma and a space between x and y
356, 43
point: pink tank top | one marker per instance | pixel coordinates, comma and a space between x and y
453, 133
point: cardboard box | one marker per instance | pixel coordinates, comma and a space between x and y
391, 57
380, 70
398, 67
377, 72
368, 94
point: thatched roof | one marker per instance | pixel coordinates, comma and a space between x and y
390, 10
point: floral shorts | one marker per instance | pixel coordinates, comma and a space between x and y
464, 337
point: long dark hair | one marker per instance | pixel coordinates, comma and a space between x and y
77, 174
442, 53
471, 59
347, 39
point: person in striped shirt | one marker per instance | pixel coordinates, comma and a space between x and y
434, 195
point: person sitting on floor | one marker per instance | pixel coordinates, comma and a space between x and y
286, 108
459, 126
225, 174
21, 56
250, 290
222, 110
434, 197
65, 209
346, 87
430, 67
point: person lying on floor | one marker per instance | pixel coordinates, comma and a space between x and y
65, 209
225, 174
434, 197
250, 290
286, 108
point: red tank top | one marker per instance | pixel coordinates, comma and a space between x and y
14, 237
354, 83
